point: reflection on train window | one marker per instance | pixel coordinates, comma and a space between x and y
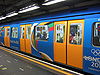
14, 32
60, 33
1, 30
22, 32
28, 32
75, 36
96, 34
41, 32
7, 32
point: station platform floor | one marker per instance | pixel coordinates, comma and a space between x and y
15, 63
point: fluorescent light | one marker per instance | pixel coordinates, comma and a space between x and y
1, 18
53, 2
29, 9
13, 14
9, 15
46, 0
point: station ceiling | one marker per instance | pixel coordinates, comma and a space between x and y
7, 6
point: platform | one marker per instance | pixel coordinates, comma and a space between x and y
14, 63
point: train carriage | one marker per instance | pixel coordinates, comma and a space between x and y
68, 38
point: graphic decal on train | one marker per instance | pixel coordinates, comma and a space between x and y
93, 60
1, 34
41, 32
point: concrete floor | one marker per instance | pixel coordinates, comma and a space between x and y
13, 65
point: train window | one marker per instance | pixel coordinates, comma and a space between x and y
96, 34
60, 33
14, 32
41, 32
28, 32
22, 32
1, 30
7, 32
75, 36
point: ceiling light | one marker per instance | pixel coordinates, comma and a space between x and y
1, 18
53, 2
29, 9
12, 14
46, 0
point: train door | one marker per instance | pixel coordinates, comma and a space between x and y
25, 44
7, 36
75, 43
28, 36
60, 41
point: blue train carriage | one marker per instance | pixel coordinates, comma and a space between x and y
60, 40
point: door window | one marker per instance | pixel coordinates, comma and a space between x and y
22, 32
60, 33
96, 34
28, 32
75, 33
7, 32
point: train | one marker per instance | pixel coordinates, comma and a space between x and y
70, 37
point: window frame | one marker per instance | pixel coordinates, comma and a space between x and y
56, 33
79, 29
36, 30
22, 36
93, 34
6, 31
27, 35
14, 32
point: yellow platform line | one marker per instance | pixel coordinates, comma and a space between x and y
66, 73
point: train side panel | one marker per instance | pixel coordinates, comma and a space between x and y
14, 37
44, 39
91, 56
